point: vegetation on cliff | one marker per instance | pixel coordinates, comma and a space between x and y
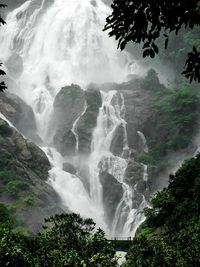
170, 236
178, 114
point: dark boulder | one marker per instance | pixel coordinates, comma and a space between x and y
88, 121
20, 115
68, 106
117, 143
68, 167
112, 194
134, 173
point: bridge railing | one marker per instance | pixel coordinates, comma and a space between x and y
120, 238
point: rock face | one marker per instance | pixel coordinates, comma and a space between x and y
68, 167
112, 194
65, 141
20, 115
68, 106
134, 173
88, 121
117, 141
138, 103
23, 173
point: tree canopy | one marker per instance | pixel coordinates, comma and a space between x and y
171, 234
146, 21
67, 241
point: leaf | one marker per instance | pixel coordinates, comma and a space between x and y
145, 53
152, 53
122, 45
2, 86
194, 49
166, 42
2, 72
146, 45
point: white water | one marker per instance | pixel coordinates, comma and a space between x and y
59, 45
5, 119
74, 129
144, 141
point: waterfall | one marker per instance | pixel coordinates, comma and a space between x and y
74, 129
111, 115
61, 42
144, 141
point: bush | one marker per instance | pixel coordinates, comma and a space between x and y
178, 113
16, 186
175, 221
68, 240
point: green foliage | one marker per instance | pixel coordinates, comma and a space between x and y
191, 38
180, 249
175, 205
144, 158
67, 241
145, 231
175, 221
151, 81
121, 245
6, 220
13, 250
16, 186
13, 184
68, 233
29, 199
144, 22
178, 112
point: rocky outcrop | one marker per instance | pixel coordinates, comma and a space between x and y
22, 152
68, 167
20, 115
88, 121
139, 111
117, 143
23, 174
134, 173
65, 141
112, 194
68, 106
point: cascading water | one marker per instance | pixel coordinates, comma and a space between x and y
74, 129
111, 115
61, 42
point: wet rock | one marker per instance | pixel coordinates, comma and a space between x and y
137, 199
112, 194
26, 154
65, 142
20, 115
134, 173
88, 121
118, 141
68, 167
23, 163
68, 106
